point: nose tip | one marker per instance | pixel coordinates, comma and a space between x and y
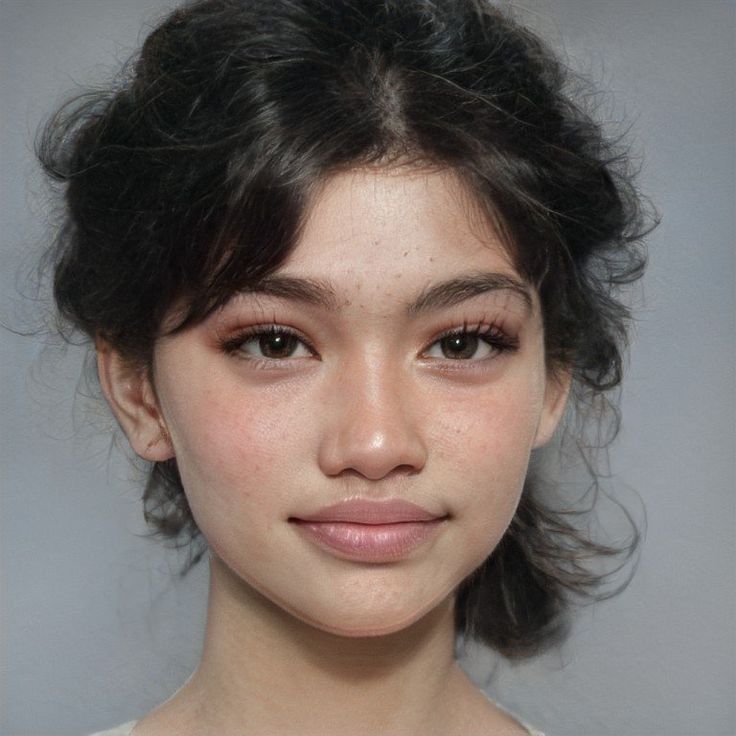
373, 456
377, 456
374, 436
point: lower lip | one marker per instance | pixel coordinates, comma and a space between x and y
369, 542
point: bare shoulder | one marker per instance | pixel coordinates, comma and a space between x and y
480, 716
490, 720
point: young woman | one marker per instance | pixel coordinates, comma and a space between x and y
344, 264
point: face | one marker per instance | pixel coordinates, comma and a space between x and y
395, 356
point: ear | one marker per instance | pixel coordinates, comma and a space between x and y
555, 398
130, 394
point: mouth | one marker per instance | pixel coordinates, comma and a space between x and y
370, 531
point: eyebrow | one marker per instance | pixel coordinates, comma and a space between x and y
320, 293
310, 291
457, 290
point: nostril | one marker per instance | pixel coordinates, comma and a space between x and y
401, 471
405, 469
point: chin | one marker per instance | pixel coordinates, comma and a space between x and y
356, 624
351, 610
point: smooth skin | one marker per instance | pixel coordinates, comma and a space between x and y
339, 380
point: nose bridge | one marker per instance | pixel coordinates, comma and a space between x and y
370, 427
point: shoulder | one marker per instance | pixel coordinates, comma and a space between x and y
486, 715
126, 729
514, 721
476, 712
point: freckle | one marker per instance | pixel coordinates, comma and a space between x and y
406, 253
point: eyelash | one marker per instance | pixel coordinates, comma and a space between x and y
490, 333
233, 345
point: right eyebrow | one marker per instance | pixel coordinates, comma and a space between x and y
457, 290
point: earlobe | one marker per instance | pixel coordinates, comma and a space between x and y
556, 393
131, 397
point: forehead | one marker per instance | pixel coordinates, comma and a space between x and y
379, 225
380, 238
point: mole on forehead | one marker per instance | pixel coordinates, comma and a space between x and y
443, 294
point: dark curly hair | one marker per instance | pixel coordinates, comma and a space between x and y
189, 179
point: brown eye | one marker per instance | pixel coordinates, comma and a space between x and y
267, 343
461, 346
475, 345
277, 345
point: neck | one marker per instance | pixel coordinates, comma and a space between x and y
264, 671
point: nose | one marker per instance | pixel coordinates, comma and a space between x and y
369, 426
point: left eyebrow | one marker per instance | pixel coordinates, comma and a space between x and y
437, 296
457, 290
316, 292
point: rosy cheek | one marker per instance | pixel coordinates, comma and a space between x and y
232, 439
499, 424
237, 447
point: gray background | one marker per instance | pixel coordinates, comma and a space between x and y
95, 627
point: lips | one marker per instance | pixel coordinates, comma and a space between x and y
362, 511
370, 531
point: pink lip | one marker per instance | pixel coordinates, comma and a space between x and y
362, 511
370, 531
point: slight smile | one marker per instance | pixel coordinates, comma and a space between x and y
370, 531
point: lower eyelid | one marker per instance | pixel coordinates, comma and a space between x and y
265, 364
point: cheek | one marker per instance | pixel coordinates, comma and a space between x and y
233, 448
489, 430
484, 444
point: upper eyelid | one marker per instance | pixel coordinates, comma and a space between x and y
463, 325
267, 328
472, 328
483, 327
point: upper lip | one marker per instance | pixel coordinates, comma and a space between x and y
364, 511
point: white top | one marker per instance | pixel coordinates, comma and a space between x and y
126, 729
